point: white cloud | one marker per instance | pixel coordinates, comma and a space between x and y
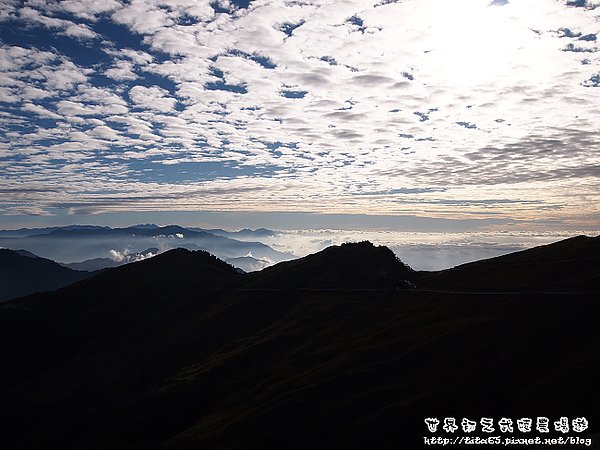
116, 255
483, 101
79, 31
65, 27
87, 9
142, 19
34, 93
63, 76
69, 108
40, 111
121, 71
104, 132
9, 95
153, 98
138, 57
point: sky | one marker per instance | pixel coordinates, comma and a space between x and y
406, 114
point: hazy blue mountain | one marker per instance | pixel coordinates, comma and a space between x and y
94, 264
91, 265
82, 243
149, 226
245, 233
24, 232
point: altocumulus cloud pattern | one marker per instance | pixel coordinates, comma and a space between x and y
462, 107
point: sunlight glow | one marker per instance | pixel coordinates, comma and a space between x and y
474, 42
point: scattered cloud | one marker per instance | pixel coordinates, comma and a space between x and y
63, 26
127, 256
443, 107
152, 98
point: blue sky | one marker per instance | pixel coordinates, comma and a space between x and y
467, 112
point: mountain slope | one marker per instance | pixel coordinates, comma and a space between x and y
180, 352
349, 266
572, 264
23, 273
172, 271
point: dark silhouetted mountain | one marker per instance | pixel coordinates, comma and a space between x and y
173, 270
26, 253
181, 352
23, 273
360, 265
572, 264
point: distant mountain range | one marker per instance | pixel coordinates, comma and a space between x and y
147, 227
92, 247
344, 349
25, 232
94, 264
245, 233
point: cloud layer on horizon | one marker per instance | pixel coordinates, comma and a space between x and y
449, 109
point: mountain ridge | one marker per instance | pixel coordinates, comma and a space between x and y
366, 266
23, 273
81, 243
350, 265
573, 261
179, 352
